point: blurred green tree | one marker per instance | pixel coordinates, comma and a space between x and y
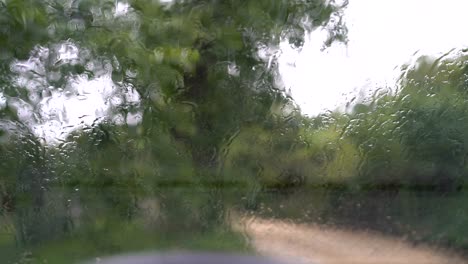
203, 71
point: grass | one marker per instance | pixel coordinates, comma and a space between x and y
123, 238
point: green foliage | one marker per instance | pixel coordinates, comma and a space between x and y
398, 159
207, 79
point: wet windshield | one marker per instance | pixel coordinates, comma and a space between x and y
317, 131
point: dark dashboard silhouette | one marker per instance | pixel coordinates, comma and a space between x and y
185, 258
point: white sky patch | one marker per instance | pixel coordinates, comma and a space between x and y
383, 35
62, 113
3, 101
53, 112
67, 52
121, 9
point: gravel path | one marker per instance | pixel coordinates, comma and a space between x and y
324, 245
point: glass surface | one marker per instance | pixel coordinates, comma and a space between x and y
241, 131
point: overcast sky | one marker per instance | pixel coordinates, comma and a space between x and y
383, 34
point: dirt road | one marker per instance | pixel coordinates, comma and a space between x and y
324, 245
